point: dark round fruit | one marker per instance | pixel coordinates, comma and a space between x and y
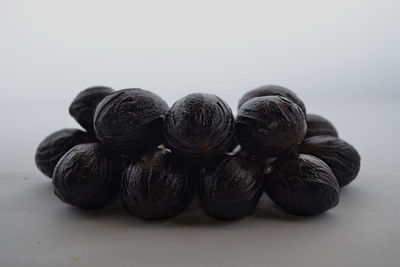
199, 126
318, 125
231, 188
302, 185
269, 126
269, 90
340, 156
156, 186
87, 176
54, 146
130, 120
84, 105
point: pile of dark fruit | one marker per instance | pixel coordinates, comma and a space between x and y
156, 158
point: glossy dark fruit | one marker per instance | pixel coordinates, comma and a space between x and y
231, 189
233, 145
131, 120
54, 146
340, 156
156, 186
87, 176
318, 125
84, 105
302, 185
199, 127
269, 126
269, 90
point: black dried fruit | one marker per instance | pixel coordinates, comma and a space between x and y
302, 185
87, 176
54, 146
340, 156
231, 188
84, 105
318, 125
156, 186
131, 120
269, 126
199, 126
269, 90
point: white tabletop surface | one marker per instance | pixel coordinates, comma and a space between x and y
36, 229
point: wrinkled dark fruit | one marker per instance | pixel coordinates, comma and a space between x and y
318, 125
340, 156
302, 185
156, 186
269, 90
156, 159
131, 120
199, 127
54, 146
230, 189
84, 105
269, 126
87, 176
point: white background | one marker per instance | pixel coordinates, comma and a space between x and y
341, 57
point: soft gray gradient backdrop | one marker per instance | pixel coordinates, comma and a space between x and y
331, 53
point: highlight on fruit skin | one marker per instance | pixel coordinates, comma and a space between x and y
131, 121
231, 187
302, 185
55, 145
339, 155
84, 105
157, 186
87, 176
199, 127
318, 125
270, 90
270, 126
